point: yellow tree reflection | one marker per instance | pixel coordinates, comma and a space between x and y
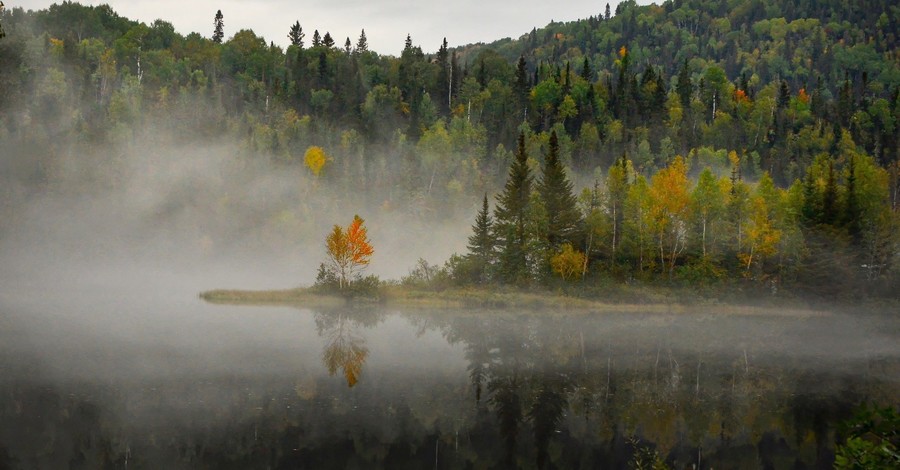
345, 350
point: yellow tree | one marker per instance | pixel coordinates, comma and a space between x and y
569, 263
349, 251
669, 208
762, 237
315, 159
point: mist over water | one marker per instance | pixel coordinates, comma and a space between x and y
108, 356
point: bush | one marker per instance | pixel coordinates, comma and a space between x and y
327, 282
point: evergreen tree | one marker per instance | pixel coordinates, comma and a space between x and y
444, 85
810, 209
555, 189
407, 45
511, 218
327, 41
784, 95
606, 13
296, 35
317, 39
684, 87
852, 211
481, 243
348, 46
362, 44
218, 28
521, 85
829, 197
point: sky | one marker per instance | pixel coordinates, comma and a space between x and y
387, 22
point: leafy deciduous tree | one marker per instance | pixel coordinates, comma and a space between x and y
349, 251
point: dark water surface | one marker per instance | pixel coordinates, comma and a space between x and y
106, 370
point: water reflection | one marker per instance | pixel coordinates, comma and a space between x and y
345, 346
464, 390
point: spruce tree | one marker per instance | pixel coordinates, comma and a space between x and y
362, 44
218, 28
852, 211
829, 197
684, 87
555, 189
296, 35
511, 218
481, 242
327, 41
317, 39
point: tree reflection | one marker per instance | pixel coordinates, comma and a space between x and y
345, 346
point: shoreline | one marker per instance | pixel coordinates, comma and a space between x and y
655, 302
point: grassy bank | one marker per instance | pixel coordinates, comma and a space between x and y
638, 300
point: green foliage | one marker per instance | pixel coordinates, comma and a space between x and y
798, 92
872, 440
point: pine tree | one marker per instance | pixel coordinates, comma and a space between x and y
407, 45
606, 14
348, 46
296, 35
511, 217
555, 189
317, 39
219, 28
327, 41
481, 243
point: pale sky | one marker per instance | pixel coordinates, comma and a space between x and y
386, 22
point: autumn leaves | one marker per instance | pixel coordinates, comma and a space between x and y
349, 251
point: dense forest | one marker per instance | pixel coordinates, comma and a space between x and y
696, 141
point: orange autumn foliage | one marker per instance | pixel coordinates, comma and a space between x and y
349, 251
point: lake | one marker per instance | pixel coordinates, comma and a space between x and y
113, 368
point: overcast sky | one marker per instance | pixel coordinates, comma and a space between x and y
386, 22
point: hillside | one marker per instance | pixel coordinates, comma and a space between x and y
795, 104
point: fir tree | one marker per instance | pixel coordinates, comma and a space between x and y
327, 41
481, 243
521, 85
852, 212
219, 28
362, 44
829, 197
555, 189
606, 13
296, 35
684, 87
511, 217
348, 46
317, 39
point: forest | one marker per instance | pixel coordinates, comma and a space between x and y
696, 142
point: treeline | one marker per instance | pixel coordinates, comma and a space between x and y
780, 92
832, 233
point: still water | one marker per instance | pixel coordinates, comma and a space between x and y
105, 372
